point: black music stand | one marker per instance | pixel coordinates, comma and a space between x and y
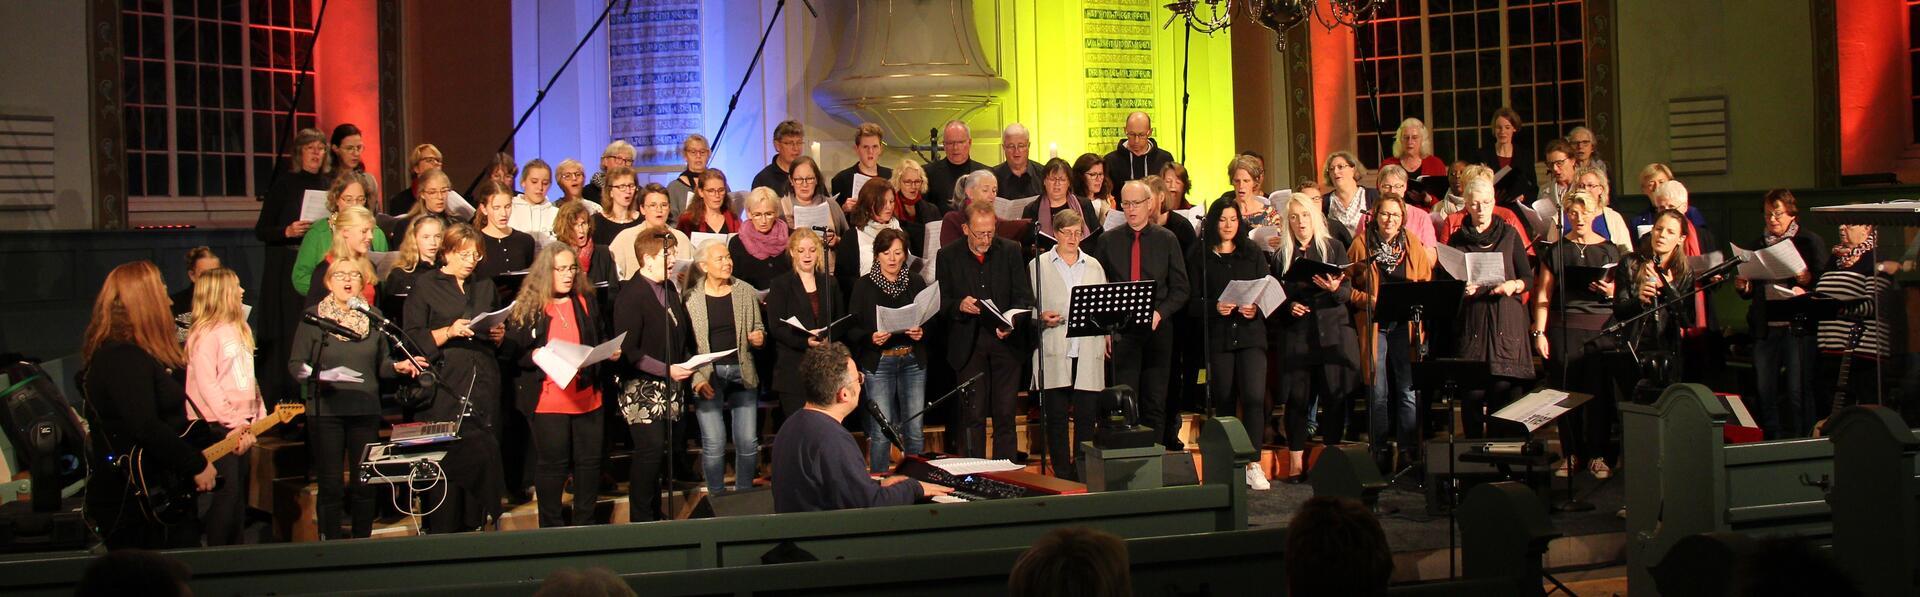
1109, 309
1447, 376
1411, 302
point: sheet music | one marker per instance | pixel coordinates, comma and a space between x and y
1486, 269
701, 360
1116, 218
818, 216
1642, 230
1012, 209
1778, 261
973, 466
1265, 292
1536, 409
900, 319
1006, 316
1451, 260
859, 180
485, 321
458, 206
341, 374
1262, 236
794, 321
700, 239
1776, 292
1279, 197
931, 250
562, 360
1193, 215
1702, 262
382, 261
313, 206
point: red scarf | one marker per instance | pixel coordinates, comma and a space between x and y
1693, 250
585, 257
905, 207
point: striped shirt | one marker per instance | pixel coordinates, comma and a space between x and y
1852, 283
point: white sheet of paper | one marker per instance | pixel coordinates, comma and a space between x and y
1778, 261
1700, 263
382, 260
1278, 197
541, 238
1006, 316
1486, 269
1265, 292
1451, 260
973, 466
701, 360
1642, 230
1012, 209
900, 319
458, 206
1536, 409
679, 271
931, 251
859, 180
485, 321
1193, 215
1115, 219
313, 206
562, 360
341, 374
700, 239
818, 216
1776, 292
1262, 236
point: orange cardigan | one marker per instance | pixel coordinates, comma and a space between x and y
1366, 286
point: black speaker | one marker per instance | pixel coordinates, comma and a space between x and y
1466, 474
1177, 469
745, 502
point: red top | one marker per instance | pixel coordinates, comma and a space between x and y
581, 396
1505, 162
689, 226
1429, 166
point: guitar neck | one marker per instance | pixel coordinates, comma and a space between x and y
225, 446
1846, 366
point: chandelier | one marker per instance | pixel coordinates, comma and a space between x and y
1208, 16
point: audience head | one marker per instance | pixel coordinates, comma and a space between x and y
654, 205
353, 229
697, 152
1670, 195
1411, 140
424, 156
347, 147
1593, 181
422, 243
763, 210
1392, 179
982, 224
1581, 139
958, 142
1139, 131
789, 137
617, 153
535, 178
592, 582
1506, 122
308, 152
833, 383
1336, 547
502, 169
573, 224
1069, 228
866, 143
1222, 223
1342, 168
890, 250
874, 204
1073, 561
1137, 201
1015, 143
1246, 172
655, 247
804, 175
199, 260
911, 179
1056, 179
572, 176
803, 248
460, 250
1780, 210
978, 186
1560, 161
1090, 178
134, 572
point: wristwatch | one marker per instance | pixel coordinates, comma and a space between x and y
1536, 333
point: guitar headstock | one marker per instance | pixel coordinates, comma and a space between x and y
286, 411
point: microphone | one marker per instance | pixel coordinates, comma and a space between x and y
359, 304
329, 325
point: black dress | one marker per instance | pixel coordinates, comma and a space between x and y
1319, 353
1579, 356
514, 253
279, 303
787, 297
1236, 346
1494, 329
134, 401
467, 368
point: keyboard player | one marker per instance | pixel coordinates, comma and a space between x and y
817, 465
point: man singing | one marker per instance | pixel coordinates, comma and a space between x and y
1145, 251
817, 465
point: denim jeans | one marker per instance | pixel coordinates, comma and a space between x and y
1390, 402
730, 396
1780, 410
898, 385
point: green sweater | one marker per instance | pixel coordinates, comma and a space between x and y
313, 250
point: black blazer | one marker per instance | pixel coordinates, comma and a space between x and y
1002, 278
1519, 181
657, 332
1812, 249
1161, 260
787, 297
753, 270
1211, 272
864, 306
516, 350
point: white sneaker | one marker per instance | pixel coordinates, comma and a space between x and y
1257, 478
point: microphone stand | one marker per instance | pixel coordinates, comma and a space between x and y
1040, 372
950, 393
734, 102
293, 105
1573, 502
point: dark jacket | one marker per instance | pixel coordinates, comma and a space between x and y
138, 402
1812, 249
753, 270
656, 339
1494, 328
1520, 179
516, 350
867, 299
772, 177
398, 286
843, 182
1325, 335
1018, 187
941, 175
1161, 260
787, 297
1123, 166
1211, 272
1002, 278
924, 213
402, 202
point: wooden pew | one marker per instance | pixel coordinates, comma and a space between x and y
1875, 495
1684, 480
1219, 505
1503, 559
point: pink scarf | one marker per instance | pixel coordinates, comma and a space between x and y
764, 245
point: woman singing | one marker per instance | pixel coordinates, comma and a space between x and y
725, 315
649, 312
872, 214
1056, 184
1493, 321
808, 295
1236, 332
556, 305
712, 213
1567, 319
1319, 347
894, 363
419, 254
439, 316
759, 251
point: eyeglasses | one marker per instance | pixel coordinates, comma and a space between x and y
912, 182
469, 255
436, 192
761, 215
622, 160
805, 179
624, 187
344, 276
1590, 186
572, 175
1558, 162
722, 190
1583, 143
1018, 146
431, 160
1780, 214
1133, 135
699, 152
1133, 203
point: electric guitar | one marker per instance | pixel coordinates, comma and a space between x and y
168, 498
1840, 385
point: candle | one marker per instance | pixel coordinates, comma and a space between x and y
1053, 150
815, 151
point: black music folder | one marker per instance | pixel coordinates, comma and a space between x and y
1303, 271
